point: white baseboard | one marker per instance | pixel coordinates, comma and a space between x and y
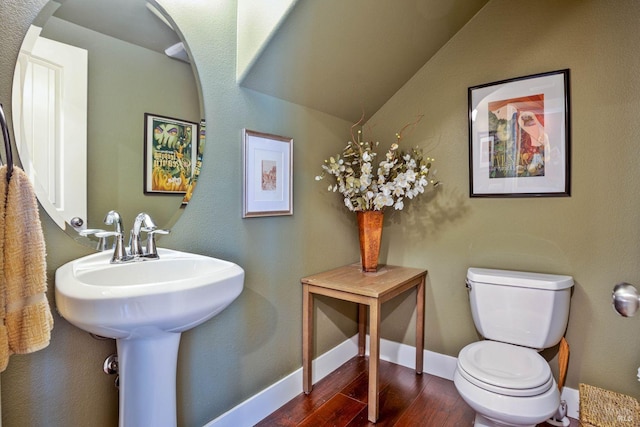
572, 397
257, 407
436, 364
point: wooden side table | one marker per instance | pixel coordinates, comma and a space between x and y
350, 283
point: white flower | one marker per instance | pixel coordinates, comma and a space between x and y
365, 181
366, 168
401, 180
348, 204
366, 185
381, 200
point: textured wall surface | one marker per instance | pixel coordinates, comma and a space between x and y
593, 235
257, 340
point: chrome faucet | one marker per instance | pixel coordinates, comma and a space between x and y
142, 223
134, 238
114, 218
119, 251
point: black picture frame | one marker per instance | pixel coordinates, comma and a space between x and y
170, 154
519, 137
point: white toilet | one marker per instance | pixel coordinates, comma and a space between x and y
503, 378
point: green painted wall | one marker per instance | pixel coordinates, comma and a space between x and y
593, 235
256, 341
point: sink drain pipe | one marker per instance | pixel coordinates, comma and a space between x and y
110, 367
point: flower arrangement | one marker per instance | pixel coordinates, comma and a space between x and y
400, 175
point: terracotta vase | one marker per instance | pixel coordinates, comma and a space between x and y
370, 232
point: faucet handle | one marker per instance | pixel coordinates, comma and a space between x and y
90, 231
152, 250
102, 241
103, 233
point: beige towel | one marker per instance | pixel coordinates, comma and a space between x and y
27, 316
4, 337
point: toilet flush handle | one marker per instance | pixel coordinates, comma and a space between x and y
467, 284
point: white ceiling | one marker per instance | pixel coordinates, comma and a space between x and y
345, 56
127, 20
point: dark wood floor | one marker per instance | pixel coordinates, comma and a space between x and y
406, 399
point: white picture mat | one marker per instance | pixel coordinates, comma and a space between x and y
266, 193
552, 87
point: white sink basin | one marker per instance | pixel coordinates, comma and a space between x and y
146, 306
174, 293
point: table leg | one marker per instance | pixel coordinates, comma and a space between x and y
374, 358
420, 326
307, 339
362, 329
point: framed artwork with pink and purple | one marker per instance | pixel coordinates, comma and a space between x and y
268, 175
519, 137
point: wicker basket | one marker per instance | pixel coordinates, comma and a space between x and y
604, 408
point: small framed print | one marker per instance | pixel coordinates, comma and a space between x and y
519, 137
170, 154
268, 179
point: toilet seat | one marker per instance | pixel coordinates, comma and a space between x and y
505, 369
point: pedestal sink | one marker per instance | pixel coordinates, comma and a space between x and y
145, 306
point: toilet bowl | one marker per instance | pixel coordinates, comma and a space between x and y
503, 378
506, 385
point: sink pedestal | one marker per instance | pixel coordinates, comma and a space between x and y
147, 368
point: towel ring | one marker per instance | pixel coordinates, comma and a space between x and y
7, 143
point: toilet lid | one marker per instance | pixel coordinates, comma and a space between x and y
505, 368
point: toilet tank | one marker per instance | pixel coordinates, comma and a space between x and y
517, 307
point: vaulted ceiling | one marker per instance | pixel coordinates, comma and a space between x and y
344, 57
127, 20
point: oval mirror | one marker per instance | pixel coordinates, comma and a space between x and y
107, 113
